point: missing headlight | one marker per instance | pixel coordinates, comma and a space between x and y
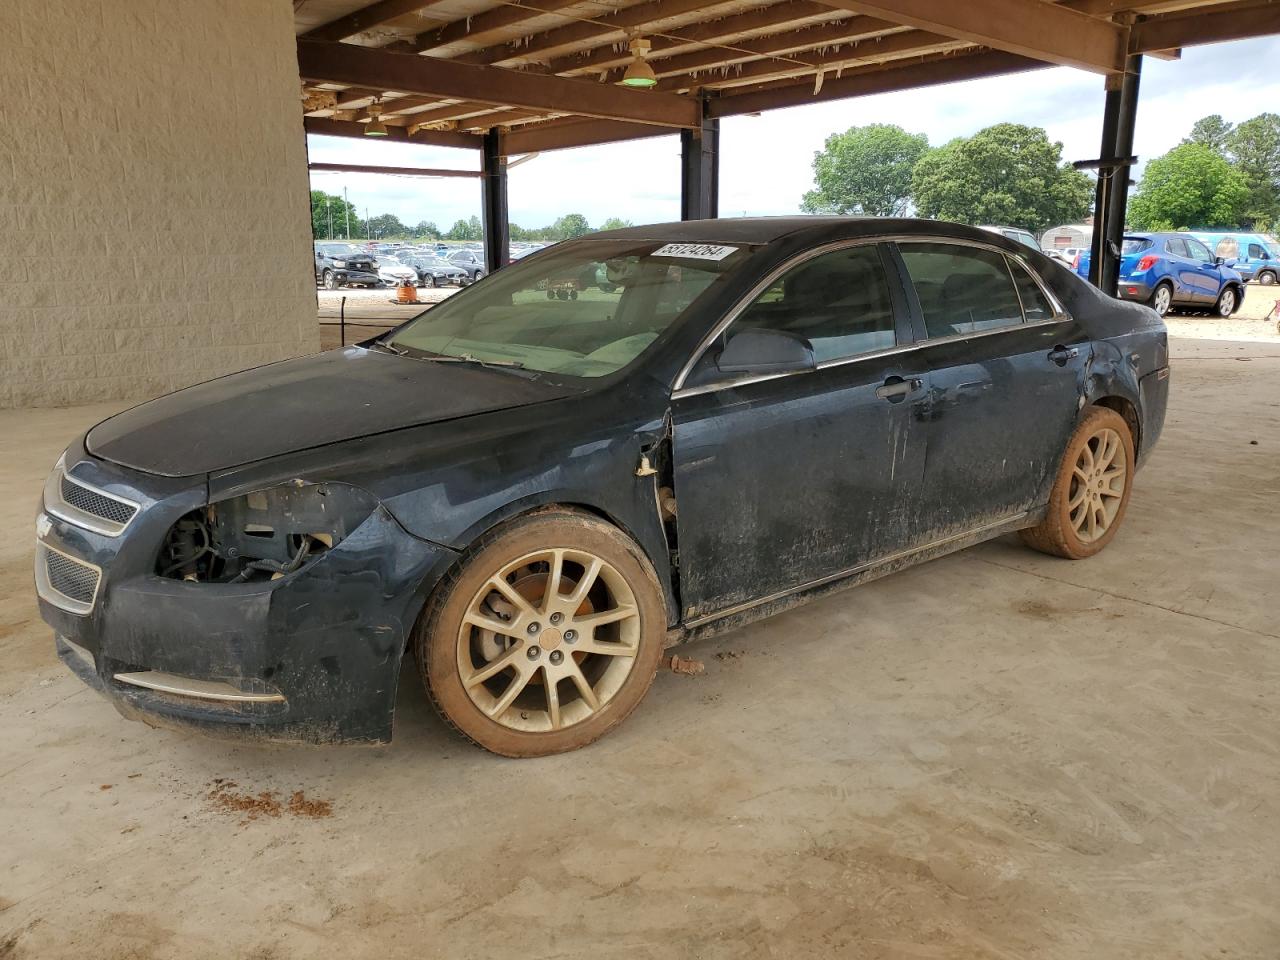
262, 535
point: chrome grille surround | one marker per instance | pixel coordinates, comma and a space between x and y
65, 581
85, 505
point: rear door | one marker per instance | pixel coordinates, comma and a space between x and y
783, 480
1006, 373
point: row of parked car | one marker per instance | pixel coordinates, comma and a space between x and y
343, 264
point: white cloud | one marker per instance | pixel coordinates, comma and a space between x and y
765, 161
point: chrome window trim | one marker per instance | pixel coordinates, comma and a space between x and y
855, 569
45, 590
678, 390
58, 507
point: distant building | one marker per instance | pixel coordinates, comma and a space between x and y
1077, 236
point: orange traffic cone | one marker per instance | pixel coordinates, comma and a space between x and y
406, 292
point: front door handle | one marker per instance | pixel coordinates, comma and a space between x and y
1060, 355
895, 388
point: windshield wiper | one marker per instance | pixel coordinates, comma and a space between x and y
471, 358
391, 348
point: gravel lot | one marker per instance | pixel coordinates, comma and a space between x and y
997, 754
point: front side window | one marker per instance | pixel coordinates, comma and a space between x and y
1256, 252
1198, 251
584, 310
838, 302
961, 289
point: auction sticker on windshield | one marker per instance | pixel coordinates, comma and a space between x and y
694, 251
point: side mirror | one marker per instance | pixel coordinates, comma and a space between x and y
766, 351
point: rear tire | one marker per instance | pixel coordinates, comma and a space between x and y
1161, 299
1091, 492
545, 637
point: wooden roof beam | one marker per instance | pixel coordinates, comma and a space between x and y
488, 24
798, 16
365, 18
1040, 31
326, 127
412, 74
1234, 21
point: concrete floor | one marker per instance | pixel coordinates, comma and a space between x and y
997, 754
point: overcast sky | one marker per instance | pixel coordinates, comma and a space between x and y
766, 161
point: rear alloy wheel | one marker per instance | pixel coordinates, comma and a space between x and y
1266, 278
1226, 304
1162, 299
546, 637
1091, 492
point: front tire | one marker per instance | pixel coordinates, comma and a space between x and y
1226, 304
1091, 492
1266, 278
330, 281
545, 637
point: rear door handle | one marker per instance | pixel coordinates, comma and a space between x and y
1060, 355
895, 388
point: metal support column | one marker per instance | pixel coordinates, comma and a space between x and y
1111, 201
497, 234
700, 170
1118, 201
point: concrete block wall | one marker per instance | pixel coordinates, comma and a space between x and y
155, 225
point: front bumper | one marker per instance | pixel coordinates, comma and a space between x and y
314, 656
356, 276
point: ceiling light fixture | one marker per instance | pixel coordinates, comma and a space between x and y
639, 73
375, 127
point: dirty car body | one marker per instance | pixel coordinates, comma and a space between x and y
800, 404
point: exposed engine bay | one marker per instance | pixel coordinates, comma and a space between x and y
262, 535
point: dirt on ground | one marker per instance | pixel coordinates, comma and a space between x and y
994, 755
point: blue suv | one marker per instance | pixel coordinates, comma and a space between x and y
1166, 270
1252, 256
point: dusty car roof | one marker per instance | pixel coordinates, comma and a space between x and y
768, 229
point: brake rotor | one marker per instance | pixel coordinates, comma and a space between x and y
532, 585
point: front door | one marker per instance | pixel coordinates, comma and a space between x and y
1006, 374
783, 480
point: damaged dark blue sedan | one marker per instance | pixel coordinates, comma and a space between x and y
611, 446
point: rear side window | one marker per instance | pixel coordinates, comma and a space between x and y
838, 301
1177, 246
1035, 305
1135, 244
961, 289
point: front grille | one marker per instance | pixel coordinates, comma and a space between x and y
70, 577
96, 504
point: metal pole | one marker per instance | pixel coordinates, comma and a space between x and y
700, 170
497, 238
1102, 196
1118, 201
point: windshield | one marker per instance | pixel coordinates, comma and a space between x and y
586, 310
342, 250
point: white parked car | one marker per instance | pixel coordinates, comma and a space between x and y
393, 273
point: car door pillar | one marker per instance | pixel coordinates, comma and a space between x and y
497, 237
700, 169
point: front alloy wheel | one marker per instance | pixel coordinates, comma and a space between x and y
546, 637
1226, 303
330, 281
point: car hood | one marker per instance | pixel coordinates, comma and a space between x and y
300, 404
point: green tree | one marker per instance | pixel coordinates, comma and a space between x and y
865, 170
1212, 132
1255, 147
427, 230
616, 223
329, 214
1190, 186
470, 229
569, 226
1006, 174
386, 226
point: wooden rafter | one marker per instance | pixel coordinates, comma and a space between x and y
488, 24
1041, 31
325, 126
365, 18
408, 73
1234, 21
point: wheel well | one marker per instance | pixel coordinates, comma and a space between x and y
1126, 409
